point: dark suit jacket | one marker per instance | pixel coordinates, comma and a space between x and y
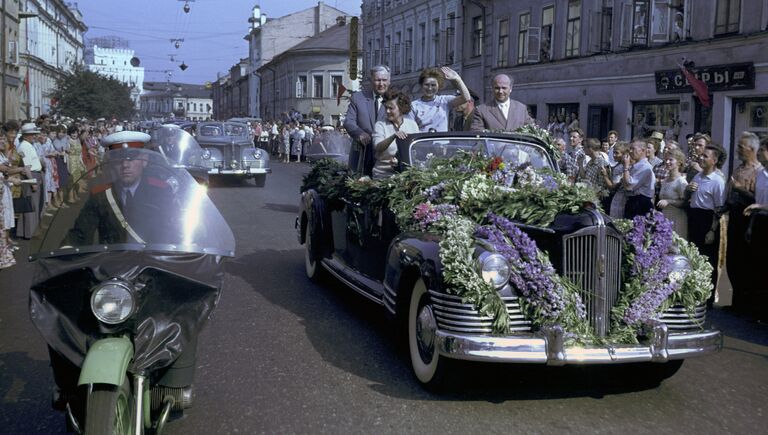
489, 117
360, 118
151, 216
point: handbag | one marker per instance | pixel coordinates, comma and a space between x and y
23, 204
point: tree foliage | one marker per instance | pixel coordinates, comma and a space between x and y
87, 94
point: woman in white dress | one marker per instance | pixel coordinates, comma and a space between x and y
385, 133
672, 193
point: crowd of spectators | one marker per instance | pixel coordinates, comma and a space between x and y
44, 165
686, 183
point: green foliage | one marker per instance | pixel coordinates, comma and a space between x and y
84, 93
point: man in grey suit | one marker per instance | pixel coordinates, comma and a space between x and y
365, 108
503, 113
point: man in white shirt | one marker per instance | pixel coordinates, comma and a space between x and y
707, 199
638, 180
28, 222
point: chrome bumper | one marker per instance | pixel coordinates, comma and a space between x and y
547, 347
249, 171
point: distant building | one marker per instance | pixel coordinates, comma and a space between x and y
112, 57
11, 83
51, 43
271, 37
230, 92
308, 77
166, 100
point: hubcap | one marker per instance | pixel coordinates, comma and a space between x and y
425, 333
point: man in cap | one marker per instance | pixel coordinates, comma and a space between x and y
128, 205
29, 221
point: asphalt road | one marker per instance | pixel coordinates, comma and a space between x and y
283, 355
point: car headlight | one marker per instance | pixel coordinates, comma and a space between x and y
257, 154
206, 154
494, 269
113, 302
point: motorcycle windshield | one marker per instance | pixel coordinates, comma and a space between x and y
136, 200
178, 146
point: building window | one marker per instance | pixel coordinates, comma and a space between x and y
336, 81
573, 28
423, 44
377, 53
524, 22
301, 86
640, 22
386, 52
477, 36
317, 80
547, 33
502, 55
396, 58
727, 16
606, 29
408, 50
450, 39
436, 41
654, 116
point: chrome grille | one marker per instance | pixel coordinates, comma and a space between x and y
592, 261
454, 315
678, 320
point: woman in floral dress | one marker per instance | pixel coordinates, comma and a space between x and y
8, 177
672, 193
75, 165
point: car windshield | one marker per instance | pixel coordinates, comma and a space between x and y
136, 200
330, 144
178, 146
235, 130
422, 151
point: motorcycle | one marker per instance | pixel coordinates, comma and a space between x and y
123, 283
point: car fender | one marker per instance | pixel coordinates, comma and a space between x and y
411, 256
314, 220
106, 362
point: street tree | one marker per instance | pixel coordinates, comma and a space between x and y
84, 93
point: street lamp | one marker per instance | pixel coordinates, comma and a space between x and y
186, 5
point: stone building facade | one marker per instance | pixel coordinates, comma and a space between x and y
615, 64
169, 100
307, 78
50, 44
231, 91
10, 78
271, 37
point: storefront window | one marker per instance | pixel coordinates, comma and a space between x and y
654, 116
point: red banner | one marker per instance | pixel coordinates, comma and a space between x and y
699, 87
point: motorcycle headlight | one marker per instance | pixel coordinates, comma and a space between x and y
233, 164
494, 269
113, 302
206, 154
257, 154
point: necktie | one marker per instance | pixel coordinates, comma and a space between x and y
377, 104
127, 203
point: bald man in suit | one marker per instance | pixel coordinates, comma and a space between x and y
503, 113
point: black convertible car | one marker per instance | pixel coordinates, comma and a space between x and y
406, 267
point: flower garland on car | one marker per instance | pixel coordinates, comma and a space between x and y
469, 196
651, 285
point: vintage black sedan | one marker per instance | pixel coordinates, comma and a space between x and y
479, 250
229, 151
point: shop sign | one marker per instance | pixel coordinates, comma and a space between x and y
736, 76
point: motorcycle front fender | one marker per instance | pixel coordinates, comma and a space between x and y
107, 361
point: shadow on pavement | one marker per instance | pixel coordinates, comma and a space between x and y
283, 208
352, 334
25, 393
